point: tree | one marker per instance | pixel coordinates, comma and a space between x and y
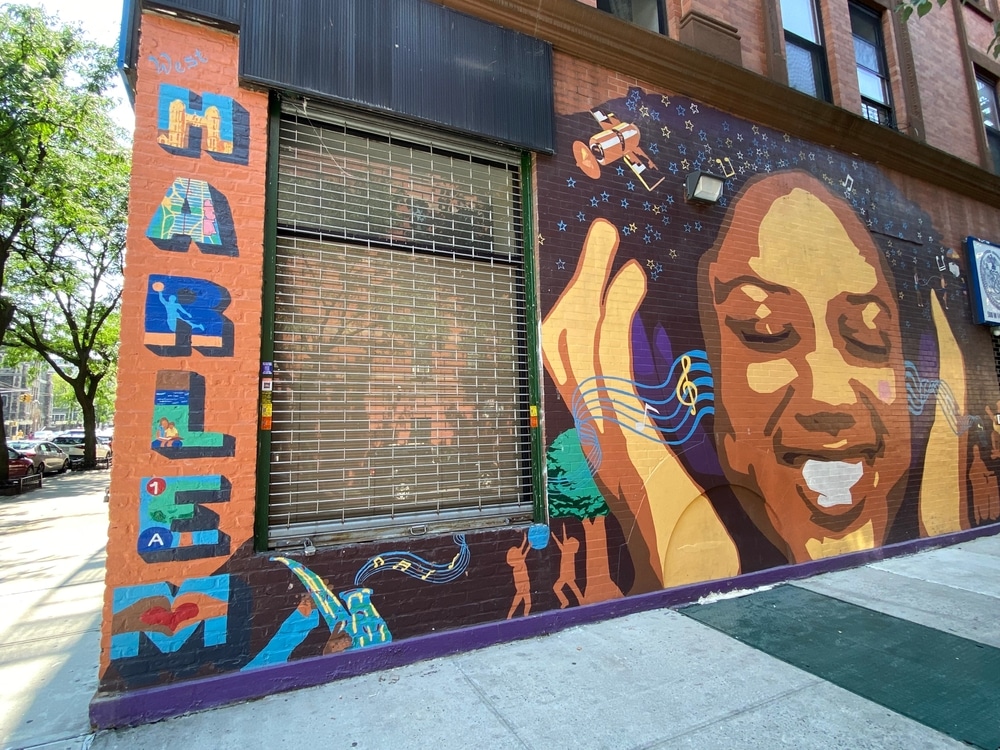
906, 9
573, 494
67, 291
52, 121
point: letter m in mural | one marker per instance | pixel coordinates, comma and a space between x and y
188, 122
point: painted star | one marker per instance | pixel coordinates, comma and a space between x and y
665, 100
673, 253
570, 182
541, 240
656, 210
644, 110
604, 197
647, 206
650, 264
632, 226
561, 264
788, 138
665, 131
694, 109
624, 202
562, 226
756, 130
581, 216
689, 125
630, 185
620, 170
594, 202
681, 111
685, 165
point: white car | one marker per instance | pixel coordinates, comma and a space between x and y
73, 445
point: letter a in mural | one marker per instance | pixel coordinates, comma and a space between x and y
194, 211
184, 314
174, 524
179, 419
188, 122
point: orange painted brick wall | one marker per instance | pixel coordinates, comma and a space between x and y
204, 62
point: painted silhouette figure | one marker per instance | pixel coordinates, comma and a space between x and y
176, 311
517, 560
568, 548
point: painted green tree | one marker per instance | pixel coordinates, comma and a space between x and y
573, 494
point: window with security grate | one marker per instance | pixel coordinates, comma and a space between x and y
400, 398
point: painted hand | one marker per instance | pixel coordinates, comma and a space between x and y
673, 533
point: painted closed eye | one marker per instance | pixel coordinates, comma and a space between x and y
868, 344
763, 336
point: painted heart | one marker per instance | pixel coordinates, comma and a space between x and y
170, 618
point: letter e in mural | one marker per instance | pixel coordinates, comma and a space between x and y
194, 211
179, 419
184, 314
163, 617
174, 524
188, 122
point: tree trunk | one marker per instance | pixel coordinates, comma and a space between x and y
7, 309
87, 406
600, 585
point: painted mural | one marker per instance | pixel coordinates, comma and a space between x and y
788, 374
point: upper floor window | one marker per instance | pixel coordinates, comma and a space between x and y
987, 88
806, 59
873, 70
646, 13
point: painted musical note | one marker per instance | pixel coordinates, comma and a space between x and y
640, 424
686, 391
848, 184
726, 166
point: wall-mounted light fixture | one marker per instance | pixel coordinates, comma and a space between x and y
703, 187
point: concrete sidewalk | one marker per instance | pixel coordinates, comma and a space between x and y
657, 679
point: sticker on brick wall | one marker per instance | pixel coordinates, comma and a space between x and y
188, 123
174, 524
166, 617
184, 314
194, 211
179, 418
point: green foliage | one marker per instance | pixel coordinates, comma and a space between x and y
572, 491
63, 201
906, 9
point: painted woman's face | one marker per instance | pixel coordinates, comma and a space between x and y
803, 336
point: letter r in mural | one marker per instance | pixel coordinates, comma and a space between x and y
179, 419
188, 122
175, 525
194, 211
166, 617
184, 314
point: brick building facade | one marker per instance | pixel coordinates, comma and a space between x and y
426, 344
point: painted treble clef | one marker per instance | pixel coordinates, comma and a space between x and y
686, 391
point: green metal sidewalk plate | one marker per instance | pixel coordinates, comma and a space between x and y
945, 682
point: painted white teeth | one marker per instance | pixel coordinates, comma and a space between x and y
833, 480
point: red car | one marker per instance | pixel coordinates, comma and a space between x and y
18, 466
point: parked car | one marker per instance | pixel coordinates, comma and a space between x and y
73, 445
46, 457
18, 466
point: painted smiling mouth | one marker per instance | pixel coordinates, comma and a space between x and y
832, 481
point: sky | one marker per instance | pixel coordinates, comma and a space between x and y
101, 21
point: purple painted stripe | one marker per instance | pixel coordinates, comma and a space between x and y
154, 704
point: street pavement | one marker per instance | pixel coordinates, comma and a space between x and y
657, 679
52, 543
